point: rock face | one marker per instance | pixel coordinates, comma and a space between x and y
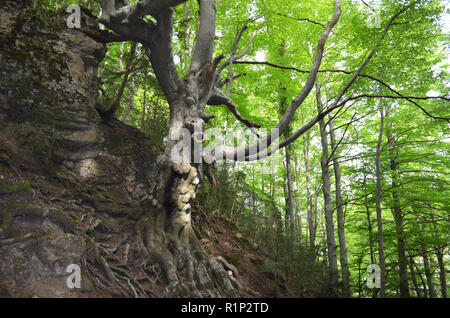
77, 190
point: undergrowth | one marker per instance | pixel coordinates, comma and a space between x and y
296, 269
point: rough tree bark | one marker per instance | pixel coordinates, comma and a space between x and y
188, 7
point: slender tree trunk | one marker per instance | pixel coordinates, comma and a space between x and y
328, 205
253, 189
286, 201
422, 280
122, 57
262, 190
233, 174
369, 222
271, 186
129, 100
321, 223
378, 208
144, 104
297, 203
107, 114
276, 215
289, 198
340, 216
426, 265
428, 275
440, 259
397, 212
315, 214
413, 277
309, 211
359, 277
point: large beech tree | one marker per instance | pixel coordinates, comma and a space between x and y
189, 97
151, 23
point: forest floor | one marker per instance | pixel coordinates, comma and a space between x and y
221, 237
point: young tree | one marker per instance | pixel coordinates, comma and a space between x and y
327, 202
312, 224
340, 214
397, 210
378, 173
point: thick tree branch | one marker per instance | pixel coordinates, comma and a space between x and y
219, 98
408, 98
204, 47
230, 77
249, 150
161, 56
335, 105
199, 80
141, 31
156, 38
369, 57
130, 14
103, 36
